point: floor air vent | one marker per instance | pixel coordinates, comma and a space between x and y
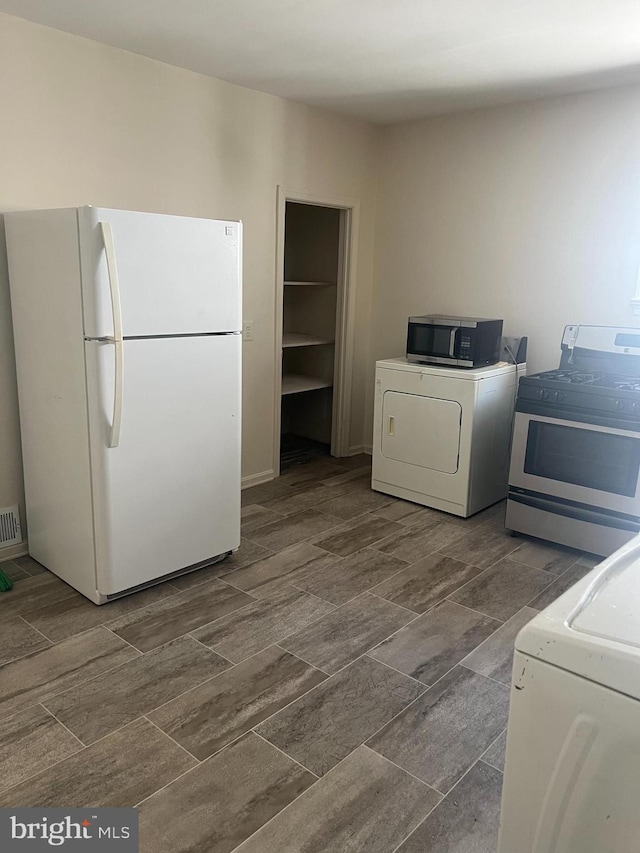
10, 533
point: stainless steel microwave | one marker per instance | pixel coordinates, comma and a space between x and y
454, 341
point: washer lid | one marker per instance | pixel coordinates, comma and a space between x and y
611, 611
593, 629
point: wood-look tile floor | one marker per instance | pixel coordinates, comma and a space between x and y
338, 685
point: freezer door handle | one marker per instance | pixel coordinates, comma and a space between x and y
114, 285
116, 340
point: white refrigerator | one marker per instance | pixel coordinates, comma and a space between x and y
127, 333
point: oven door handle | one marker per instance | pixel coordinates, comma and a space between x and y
452, 343
557, 507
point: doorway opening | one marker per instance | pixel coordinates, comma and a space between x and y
313, 334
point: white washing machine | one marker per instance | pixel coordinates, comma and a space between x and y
572, 773
441, 435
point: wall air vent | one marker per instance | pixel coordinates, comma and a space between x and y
10, 532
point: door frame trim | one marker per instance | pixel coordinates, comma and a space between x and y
345, 319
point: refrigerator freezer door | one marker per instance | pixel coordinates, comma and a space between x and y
177, 275
168, 495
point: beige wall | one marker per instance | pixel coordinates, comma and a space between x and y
528, 212
84, 123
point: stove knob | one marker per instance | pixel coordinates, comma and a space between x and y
543, 394
558, 396
620, 405
634, 407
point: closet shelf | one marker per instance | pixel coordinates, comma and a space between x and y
311, 283
293, 339
295, 383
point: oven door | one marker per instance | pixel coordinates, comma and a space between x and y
594, 465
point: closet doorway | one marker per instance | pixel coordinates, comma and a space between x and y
314, 326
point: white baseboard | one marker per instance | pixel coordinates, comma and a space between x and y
256, 479
357, 449
13, 551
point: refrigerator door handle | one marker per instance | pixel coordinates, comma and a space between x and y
116, 340
114, 438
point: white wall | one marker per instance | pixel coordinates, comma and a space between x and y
529, 212
84, 123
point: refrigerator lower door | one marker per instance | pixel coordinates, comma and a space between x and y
168, 495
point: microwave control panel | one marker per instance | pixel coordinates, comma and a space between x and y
465, 345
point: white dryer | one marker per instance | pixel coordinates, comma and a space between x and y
441, 435
572, 773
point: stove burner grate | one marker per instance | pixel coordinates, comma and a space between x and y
600, 380
574, 376
627, 384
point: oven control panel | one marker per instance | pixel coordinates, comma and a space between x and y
546, 394
631, 406
587, 399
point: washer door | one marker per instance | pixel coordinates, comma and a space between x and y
423, 431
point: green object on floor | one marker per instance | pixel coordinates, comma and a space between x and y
5, 583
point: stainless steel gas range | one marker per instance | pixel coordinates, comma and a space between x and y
575, 460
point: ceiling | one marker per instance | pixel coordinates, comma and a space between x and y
383, 62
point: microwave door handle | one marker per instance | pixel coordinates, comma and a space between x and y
452, 343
